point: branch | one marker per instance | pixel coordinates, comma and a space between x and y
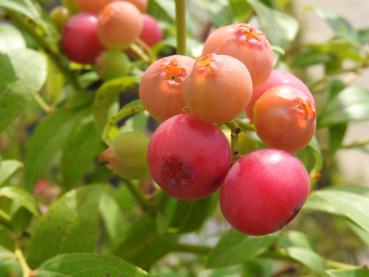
181, 26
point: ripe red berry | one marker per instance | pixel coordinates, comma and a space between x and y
188, 158
263, 191
126, 156
92, 6
120, 23
218, 89
112, 64
284, 118
79, 40
278, 78
162, 84
245, 43
151, 33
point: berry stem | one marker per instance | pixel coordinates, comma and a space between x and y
137, 195
41, 102
193, 249
23, 263
181, 26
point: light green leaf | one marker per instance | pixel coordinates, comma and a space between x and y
79, 152
272, 20
357, 272
7, 169
48, 138
20, 198
235, 247
24, 7
25, 73
106, 96
353, 206
88, 265
10, 38
350, 105
308, 258
70, 225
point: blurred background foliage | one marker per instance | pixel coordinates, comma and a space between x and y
56, 198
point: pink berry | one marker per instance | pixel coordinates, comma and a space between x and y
79, 40
278, 78
263, 191
245, 43
188, 158
151, 33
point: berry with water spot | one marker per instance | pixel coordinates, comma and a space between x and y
79, 39
126, 156
162, 84
188, 158
264, 191
119, 24
112, 64
218, 88
245, 43
151, 33
278, 78
284, 118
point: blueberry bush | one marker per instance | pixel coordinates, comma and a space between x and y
178, 138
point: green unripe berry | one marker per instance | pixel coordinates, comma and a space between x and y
112, 64
126, 156
59, 15
71, 6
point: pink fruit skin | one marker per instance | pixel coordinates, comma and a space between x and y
278, 78
151, 33
79, 40
188, 158
257, 55
263, 191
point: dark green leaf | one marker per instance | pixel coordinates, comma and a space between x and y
363, 35
144, 245
235, 247
7, 169
351, 104
48, 138
106, 96
311, 57
88, 265
69, 225
24, 77
356, 272
10, 38
79, 152
272, 20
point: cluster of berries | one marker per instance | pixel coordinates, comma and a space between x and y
102, 29
190, 158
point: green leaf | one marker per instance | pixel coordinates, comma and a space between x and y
235, 247
25, 74
48, 138
111, 129
21, 198
363, 36
144, 245
311, 57
10, 38
353, 206
79, 152
189, 216
357, 272
106, 96
363, 235
88, 265
8, 169
160, 7
24, 7
308, 258
350, 105
70, 225
240, 9
272, 20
